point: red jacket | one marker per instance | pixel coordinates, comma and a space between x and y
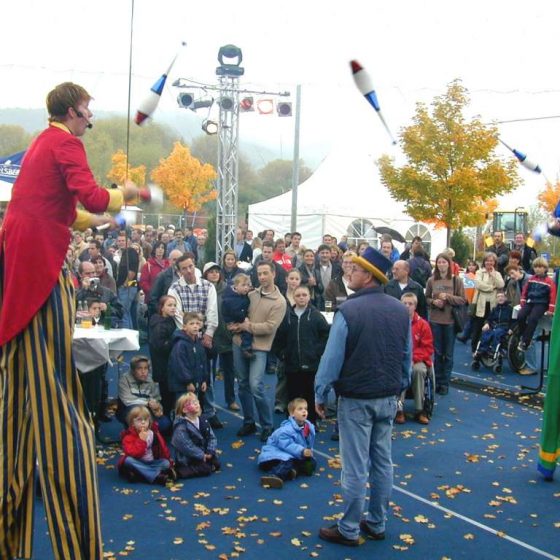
422, 341
149, 272
539, 290
134, 446
54, 177
284, 260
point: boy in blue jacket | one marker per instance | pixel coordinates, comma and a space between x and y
187, 369
289, 450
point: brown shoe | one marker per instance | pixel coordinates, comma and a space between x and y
364, 528
422, 418
234, 406
400, 418
272, 482
526, 371
332, 534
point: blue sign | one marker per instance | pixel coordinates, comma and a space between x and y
10, 166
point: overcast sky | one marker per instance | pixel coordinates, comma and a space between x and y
505, 53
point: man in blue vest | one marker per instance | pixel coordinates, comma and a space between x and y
367, 361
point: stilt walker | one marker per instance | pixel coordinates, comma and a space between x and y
43, 418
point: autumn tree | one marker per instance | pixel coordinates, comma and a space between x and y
185, 180
13, 138
147, 145
548, 199
121, 171
451, 170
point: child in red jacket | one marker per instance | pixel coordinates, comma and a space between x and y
146, 456
422, 352
538, 297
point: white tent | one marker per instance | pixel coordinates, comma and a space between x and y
344, 196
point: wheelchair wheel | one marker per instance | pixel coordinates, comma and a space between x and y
497, 368
488, 361
515, 357
429, 392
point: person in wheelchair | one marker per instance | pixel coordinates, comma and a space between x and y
422, 352
496, 327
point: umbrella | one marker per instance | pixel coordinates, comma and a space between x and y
392, 232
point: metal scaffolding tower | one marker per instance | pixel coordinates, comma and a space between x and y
228, 172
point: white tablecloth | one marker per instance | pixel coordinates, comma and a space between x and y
96, 346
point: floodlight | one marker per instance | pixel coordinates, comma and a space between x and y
284, 109
210, 127
185, 100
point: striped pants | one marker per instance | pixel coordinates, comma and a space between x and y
44, 421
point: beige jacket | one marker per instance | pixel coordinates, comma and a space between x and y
487, 286
266, 313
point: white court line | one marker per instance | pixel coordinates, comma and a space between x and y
500, 534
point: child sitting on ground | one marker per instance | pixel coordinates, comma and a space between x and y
146, 457
496, 326
289, 450
235, 309
193, 440
538, 297
187, 369
136, 387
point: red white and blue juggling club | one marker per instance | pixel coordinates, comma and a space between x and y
522, 158
150, 102
363, 81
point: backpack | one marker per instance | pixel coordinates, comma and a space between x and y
420, 275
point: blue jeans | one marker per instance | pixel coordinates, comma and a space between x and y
148, 470
127, 296
444, 344
250, 373
365, 427
282, 469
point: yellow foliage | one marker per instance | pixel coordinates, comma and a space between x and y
185, 180
451, 176
548, 199
118, 172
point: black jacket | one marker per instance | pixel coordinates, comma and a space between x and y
302, 339
161, 332
393, 288
161, 286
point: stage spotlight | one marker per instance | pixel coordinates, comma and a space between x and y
284, 109
202, 104
247, 104
265, 106
227, 104
230, 57
210, 127
185, 100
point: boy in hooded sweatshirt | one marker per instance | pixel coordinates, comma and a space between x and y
289, 450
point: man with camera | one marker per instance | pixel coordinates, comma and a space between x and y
91, 288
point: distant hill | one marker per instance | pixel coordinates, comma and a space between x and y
185, 123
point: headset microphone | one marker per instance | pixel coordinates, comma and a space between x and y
80, 115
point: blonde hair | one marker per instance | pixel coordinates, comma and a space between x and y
295, 403
241, 278
410, 295
182, 400
540, 261
138, 412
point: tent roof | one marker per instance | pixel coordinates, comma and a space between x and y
346, 183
